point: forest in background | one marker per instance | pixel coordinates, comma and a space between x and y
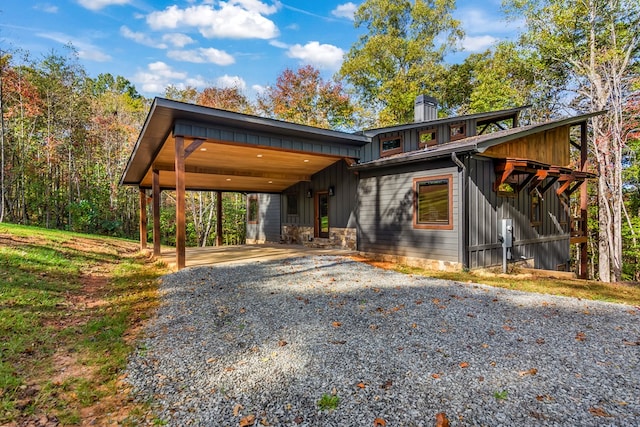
65, 137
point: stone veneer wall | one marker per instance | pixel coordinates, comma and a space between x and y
343, 238
429, 264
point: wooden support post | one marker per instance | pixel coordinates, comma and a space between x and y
219, 218
181, 230
584, 201
143, 219
155, 190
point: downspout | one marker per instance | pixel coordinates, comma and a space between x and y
462, 169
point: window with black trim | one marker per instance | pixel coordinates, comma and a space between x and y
391, 145
252, 209
427, 138
292, 204
457, 131
433, 202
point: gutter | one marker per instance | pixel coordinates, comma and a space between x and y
463, 200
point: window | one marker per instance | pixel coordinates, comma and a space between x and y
457, 131
433, 202
536, 209
292, 204
427, 138
389, 146
252, 209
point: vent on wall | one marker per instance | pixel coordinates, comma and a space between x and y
425, 109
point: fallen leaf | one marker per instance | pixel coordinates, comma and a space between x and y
376, 290
247, 421
471, 315
237, 409
414, 325
336, 324
464, 365
264, 422
545, 397
436, 376
625, 342
540, 341
373, 327
531, 371
508, 328
485, 345
211, 360
442, 420
229, 369
418, 302
379, 422
599, 412
243, 310
338, 342
580, 336
362, 385
282, 343
387, 385
298, 420
436, 301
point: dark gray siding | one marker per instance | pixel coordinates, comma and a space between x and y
341, 205
547, 244
268, 226
385, 214
410, 138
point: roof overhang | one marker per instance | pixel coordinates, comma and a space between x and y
474, 144
228, 151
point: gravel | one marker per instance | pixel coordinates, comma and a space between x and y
260, 344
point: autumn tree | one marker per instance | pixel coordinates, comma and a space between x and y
304, 97
227, 98
595, 44
401, 53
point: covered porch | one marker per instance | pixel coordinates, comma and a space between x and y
185, 147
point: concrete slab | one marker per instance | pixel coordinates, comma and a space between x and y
212, 255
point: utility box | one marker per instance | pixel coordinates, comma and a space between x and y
506, 232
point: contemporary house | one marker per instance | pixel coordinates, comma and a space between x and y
433, 192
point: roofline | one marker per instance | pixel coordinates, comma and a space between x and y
508, 112
473, 144
231, 118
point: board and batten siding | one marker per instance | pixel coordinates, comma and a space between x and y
341, 205
385, 214
547, 244
267, 229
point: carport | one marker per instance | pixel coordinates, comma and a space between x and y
185, 147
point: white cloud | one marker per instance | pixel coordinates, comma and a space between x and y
100, 4
259, 89
202, 55
239, 20
257, 6
46, 7
346, 10
231, 82
320, 55
157, 77
478, 21
279, 44
478, 43
140, 38
85, 49
178, 39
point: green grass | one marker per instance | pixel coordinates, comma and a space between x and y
73, 297
621, 293
328, 402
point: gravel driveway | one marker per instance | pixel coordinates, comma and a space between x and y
261, 343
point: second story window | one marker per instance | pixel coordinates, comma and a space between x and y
457, 131
389, 146
427, 138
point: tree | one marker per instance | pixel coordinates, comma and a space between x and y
595, 44
230, 99
401, 54
303, 97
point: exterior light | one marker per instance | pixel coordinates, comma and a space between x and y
332, 190
309, 193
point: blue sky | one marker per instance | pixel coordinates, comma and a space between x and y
202, 43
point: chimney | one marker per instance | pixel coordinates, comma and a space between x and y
426, 108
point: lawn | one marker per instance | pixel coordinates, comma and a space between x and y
71, 306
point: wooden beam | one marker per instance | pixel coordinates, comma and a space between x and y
548, 185
155, 188
582, 273
181, 230
193, 147
567, 180
219, 218
540, 176
143, 219
235, 172
506, 172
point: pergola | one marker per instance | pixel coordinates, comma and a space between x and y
189, 147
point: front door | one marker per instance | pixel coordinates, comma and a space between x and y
322, 215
